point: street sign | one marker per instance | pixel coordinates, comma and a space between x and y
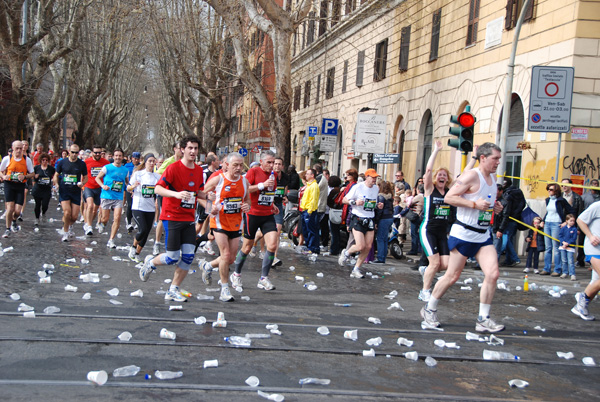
312, 132
329, 130
329, 127
370, 133
328, 143
550, 99
255, 150
243, 151
386, 158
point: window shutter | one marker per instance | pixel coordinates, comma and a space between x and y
404, 48
435, 35
360, 68
508, 21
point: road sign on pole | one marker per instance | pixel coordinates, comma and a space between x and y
550, 99
243, 151
312, 132
329, 130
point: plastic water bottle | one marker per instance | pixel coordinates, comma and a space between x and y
127, 371
239, 341
526, 284
318, 381
167, 375
209, 206
271, 177
495, 355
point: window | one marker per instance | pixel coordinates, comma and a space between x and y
473, 22
303, 33
310, 38
513, 9
380, 60
297, 98
345, 76
435, 35
336, 10
323, 17
350, 6
360, 68
307, 94
330, 82
295, 42
318, 94
404, 48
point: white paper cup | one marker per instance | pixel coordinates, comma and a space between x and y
98, 377
252, 381
165, 333
29, 314
211, 363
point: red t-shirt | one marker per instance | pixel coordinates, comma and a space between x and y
178, 177
93, 168
262, 201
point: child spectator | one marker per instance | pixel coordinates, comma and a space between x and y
535, 245
567, 237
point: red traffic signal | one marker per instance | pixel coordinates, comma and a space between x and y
466, 119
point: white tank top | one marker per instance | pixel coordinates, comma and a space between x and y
474, 217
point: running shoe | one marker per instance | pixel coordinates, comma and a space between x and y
156, 249
175, 296
276, 262
147, 269
208, 249
36, 222
581, 308
6, 233
573, 278
563, 276
342, 258
20, 218
206, 272
356, 274
261, 255
111, 244
430, 317
129, 228
252, 252
236, 280
526, 270
536, 271
133, 255
88, 230
265, 283
488, 325
14, 227
65, 237
226, 295
100, 227
422, 269
425, 295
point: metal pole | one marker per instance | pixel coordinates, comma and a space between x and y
508, 91
463, 161
556, 178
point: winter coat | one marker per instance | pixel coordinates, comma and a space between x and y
539, 238
563, 208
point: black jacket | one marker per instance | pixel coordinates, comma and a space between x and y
294, 183
515, 203
540, 240
562, 207
387, 212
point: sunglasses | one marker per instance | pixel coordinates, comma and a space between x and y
74, 152
97, 153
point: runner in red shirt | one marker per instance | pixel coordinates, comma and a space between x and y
261, 216
92, 190
180, 185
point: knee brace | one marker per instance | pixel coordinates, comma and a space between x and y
187, 256
170, 257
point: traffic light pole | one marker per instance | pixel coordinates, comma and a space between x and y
463, 161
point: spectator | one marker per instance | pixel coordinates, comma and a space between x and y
310, 216
419, 181
417, 207
576, 203
557, 208
535, 245
334, 184
322, 179
383, 219
567, 238
294, 178
400, 180
513, 206
591, 195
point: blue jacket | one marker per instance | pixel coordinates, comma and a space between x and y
562, 207
539, 238
568, 234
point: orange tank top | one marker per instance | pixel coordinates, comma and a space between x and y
15, 168
230, 194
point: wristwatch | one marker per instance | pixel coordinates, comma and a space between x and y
352, 202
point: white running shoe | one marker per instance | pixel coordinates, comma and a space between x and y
580, 308
425, 295
430, 317
133, 255
226, 295
526, 270
236, 280
265, 283
88, 230
6, 234
100, 227
147, 269
156, 249
175, 296
206, 273
342, 258
276, 262
208, 249
356, 274
261, 255
488, 325
65, 237
422, 269
252, 252
111, 244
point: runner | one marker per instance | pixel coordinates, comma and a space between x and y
135, 162
436, 218
469, 237
231, 200
363, 198
142, 184
92, 190
112, 179
16, 170
42, 189
72, 173
179, 186
260, 216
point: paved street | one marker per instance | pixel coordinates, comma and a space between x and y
49, 356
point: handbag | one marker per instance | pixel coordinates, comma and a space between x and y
335, 216
527, 216
413, 217
404, 211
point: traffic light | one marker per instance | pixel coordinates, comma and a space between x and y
464, 131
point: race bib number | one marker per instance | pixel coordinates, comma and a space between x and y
279, 191
147, 191
70, 179
44, 181
442, 212
189, 204
116, 186
232, 205
369, 205
95, 171
266, 198
485, 217
14, 176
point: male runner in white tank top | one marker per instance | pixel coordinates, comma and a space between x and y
473, 194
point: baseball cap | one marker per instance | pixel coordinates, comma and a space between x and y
371, 173
136, 155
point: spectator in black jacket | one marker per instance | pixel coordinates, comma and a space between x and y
334, 228
294, 178
535, 245
514, 204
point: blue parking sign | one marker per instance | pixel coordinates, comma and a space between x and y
312, 132
329, 127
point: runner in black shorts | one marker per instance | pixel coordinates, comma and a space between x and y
72, 174
436, 220
15, 170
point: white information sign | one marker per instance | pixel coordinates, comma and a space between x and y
370, 133
550, 99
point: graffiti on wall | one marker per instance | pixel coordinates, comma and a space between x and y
585, 166
532, 182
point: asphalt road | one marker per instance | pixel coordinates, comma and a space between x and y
48, 357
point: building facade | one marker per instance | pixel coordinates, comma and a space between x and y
419, 62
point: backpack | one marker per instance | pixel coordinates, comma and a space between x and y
345, 207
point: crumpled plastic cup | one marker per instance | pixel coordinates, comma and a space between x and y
15, 296
113, 292
430, 361
412, 356
369, 353
125, 336
374, 341
200, 320
588, 361
565, 355
98, 377
374, 320
518, 383
405, 342
51, 310
252, 381
323, 330
351, 334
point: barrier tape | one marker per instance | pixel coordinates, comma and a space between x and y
541, 232
551, 182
